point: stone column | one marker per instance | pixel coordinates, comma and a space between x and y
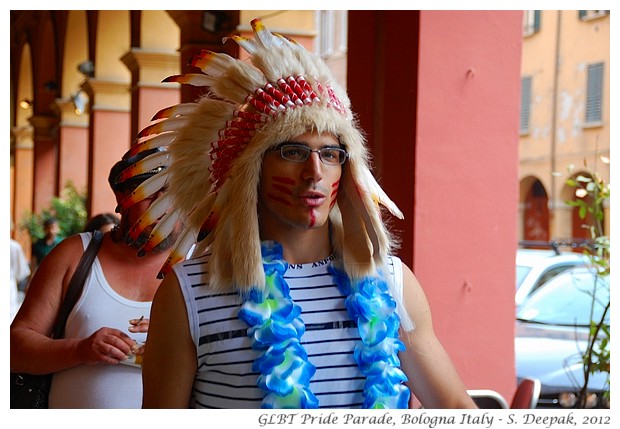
109, 138
22, 181
195, 36
148, 94
72, 145
45, 175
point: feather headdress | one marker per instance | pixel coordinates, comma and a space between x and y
213, 152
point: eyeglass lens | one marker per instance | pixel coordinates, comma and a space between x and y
300, 153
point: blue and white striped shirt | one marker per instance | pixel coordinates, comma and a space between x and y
225, 379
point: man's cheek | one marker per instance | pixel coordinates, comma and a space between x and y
281, 189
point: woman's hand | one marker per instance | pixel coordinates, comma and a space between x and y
106, 345
139, 325
137, 350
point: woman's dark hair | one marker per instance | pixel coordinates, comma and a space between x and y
100, 220
49, 222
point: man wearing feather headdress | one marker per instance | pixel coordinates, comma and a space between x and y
293, 298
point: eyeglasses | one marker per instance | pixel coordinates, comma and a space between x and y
300, 153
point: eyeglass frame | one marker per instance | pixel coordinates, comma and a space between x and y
308, 152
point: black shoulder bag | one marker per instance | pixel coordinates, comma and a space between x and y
29, 390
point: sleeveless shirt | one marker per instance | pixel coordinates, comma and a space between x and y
100, 386
225, 378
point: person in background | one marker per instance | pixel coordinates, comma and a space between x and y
103, 222
20, 270
96, 364
293, 298
43, 246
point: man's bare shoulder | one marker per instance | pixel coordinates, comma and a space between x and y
415, 299
409, 278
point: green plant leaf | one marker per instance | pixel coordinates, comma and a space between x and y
69, 208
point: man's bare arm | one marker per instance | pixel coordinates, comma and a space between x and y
169, 363
433, 377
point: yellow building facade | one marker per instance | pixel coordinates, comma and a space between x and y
565, 117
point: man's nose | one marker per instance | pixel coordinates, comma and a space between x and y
313, 167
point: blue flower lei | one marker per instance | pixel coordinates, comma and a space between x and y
275, 327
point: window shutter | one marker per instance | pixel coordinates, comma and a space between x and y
526, 102
536, 21
594, 93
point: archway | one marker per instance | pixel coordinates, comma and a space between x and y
535, 212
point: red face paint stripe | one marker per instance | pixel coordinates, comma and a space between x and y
335, 187
285, 180
283, 189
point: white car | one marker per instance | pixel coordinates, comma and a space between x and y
552, 331
537, 266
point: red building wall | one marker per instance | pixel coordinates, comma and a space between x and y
441, 109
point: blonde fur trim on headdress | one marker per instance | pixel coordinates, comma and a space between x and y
216, 146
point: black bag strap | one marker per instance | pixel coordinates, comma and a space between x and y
76, 284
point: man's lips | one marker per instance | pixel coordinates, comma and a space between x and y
312, 199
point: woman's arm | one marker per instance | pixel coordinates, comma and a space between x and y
32, 350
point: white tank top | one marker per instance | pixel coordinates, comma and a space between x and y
100, 386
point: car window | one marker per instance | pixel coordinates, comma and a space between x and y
522, 272
549, 274
567, 300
